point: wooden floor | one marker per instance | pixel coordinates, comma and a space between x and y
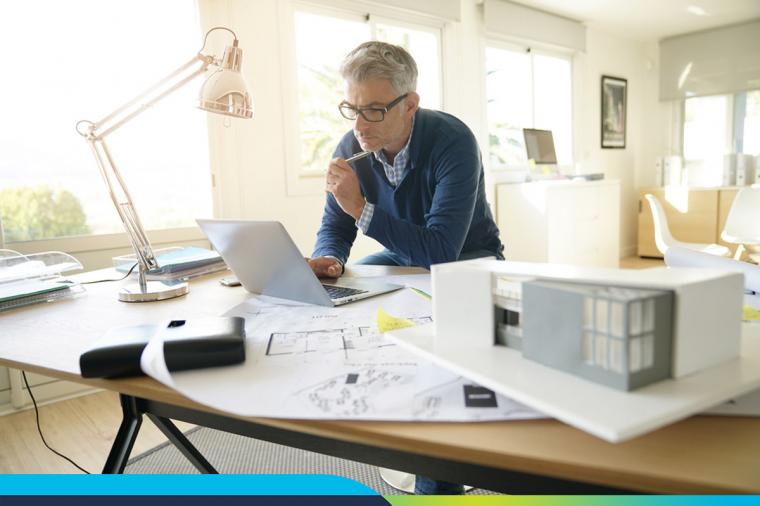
82, 429
640, 263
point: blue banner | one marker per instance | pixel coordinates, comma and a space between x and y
180, 485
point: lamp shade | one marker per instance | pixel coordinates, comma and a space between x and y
225, 91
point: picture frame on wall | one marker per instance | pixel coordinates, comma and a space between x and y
614, 103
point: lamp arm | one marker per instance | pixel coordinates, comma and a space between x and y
226, 95
95, 134
102, 127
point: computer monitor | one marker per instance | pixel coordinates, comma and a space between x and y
539, 144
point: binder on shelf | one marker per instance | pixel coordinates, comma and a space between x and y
36, 278
672, 170
177, 263
730, 171
659, 171
747, 165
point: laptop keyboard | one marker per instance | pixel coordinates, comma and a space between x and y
338, 292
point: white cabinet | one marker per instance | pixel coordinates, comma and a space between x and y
564, 222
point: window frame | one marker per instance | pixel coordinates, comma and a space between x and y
89, 249
301, 182
521, 46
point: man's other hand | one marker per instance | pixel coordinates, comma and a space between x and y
325, 267
342, 182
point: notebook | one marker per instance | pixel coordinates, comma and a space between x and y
266, 261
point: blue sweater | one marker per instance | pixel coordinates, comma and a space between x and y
437, 212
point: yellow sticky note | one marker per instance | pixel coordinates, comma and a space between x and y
386, 322
750, 314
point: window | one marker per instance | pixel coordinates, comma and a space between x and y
526, 89
424, 45
320, 88
748, 122
714, 126
321, 42
720, 124
706, 128
104, 54
604, 338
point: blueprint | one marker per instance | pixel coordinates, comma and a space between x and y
312, 362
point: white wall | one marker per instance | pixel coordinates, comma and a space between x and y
652, 126
607, 54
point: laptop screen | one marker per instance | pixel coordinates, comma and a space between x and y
539, 145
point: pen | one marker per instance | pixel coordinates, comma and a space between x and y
358, 156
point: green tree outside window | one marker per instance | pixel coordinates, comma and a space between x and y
40, 212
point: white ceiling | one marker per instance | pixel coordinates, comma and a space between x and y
651, 19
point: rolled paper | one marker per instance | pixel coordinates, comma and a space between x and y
683, 257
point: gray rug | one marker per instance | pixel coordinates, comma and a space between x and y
233, 454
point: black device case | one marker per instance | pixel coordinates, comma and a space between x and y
188, 344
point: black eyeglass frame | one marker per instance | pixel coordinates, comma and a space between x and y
360, 111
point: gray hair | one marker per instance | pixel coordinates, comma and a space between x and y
380, 60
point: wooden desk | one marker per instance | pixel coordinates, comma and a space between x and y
705, 454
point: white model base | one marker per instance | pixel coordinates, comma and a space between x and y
606, 413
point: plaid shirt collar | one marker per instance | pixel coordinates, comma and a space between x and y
395, 172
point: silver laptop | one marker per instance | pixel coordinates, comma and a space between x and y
266, 260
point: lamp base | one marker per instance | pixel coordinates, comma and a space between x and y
154, 290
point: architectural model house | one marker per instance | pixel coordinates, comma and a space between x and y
619, 337
579, 376
620, 328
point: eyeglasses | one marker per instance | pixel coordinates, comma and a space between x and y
371, 114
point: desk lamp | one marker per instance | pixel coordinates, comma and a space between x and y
223, 92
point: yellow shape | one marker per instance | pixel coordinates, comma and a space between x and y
750, 314
386, 322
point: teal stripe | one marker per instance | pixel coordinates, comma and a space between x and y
176, 484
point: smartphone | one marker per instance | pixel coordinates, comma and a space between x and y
230, 281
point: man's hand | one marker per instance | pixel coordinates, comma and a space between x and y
342, 182
325, 267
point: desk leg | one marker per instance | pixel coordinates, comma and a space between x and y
125, 438
185, 447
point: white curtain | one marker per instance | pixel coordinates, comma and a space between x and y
513, 20
723, 60
444, 9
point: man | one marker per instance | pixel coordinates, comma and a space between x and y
421, 193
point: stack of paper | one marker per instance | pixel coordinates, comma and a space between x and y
29, 279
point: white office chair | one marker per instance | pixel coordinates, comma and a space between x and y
664, 239
743, 223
